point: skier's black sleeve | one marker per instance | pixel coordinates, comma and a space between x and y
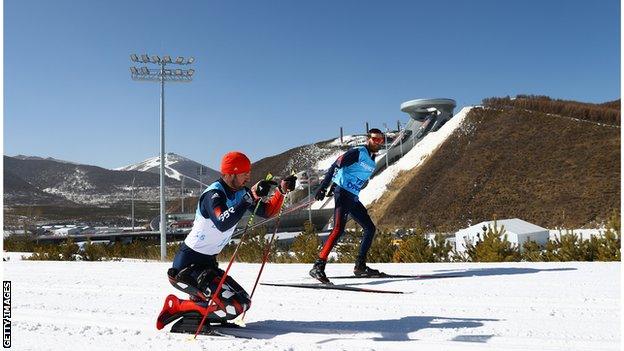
348, 158
213, 205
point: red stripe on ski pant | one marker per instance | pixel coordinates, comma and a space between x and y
334, 235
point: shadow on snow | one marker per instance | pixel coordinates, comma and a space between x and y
387, 330
464, 273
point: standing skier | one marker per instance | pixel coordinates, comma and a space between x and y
349, 174
219, 209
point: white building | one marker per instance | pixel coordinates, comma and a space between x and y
517, 231
65, 231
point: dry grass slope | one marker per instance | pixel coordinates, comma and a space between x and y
549, 170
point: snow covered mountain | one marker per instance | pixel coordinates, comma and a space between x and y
37, 181
26, 157
176, 167
33, 180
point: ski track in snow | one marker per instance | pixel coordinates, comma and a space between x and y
506, 306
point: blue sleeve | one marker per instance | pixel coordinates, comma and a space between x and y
348, 158
213, 205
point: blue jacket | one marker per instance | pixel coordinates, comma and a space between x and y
352, 170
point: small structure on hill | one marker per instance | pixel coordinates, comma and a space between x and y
518, 232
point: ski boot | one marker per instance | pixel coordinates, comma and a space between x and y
362, 270
183, 281
318, 271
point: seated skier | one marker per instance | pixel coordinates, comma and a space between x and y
195, 268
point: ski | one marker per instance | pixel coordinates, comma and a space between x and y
188, 325
396, 276
333, 287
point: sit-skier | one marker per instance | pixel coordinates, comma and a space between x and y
195, 268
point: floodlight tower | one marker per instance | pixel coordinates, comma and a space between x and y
162, 75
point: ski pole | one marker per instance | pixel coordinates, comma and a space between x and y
215, 295
267, 220
265, 256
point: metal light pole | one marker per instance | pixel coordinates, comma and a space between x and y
400, 136
133, 203
182, 192
386, 143
161, 75
200, 170
310, 196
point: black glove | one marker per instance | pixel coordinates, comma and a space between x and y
320, 194
263, 187
330, 192
289, 183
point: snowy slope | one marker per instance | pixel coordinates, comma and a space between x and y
509, 306
176, 167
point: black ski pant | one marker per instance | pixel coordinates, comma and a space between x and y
348, 204
206, 275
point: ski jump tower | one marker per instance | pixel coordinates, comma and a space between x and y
433, 112
427, 115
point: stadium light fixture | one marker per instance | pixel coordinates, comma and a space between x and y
161, 75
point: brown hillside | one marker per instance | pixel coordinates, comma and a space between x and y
296, 159
549, 170
608, 112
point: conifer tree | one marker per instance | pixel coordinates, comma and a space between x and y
414, 248
608, 249
531, 251
382, 249
494, 247
306, 246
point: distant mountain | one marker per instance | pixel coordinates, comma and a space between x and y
301, 158
18, 191
41, 181
25, 157
176, 167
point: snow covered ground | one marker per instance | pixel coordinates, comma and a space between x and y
508, 306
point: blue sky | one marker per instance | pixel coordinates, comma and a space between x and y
271, 75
